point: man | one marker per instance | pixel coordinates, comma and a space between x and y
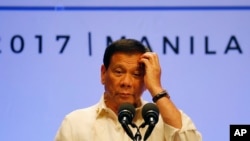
128, 70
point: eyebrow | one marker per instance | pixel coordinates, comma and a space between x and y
137, 68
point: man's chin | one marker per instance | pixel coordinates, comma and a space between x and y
127, 100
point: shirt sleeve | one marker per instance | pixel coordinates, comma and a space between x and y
188, 132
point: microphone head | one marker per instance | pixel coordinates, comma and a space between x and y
150, 110
127, 111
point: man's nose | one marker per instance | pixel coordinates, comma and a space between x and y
127, 80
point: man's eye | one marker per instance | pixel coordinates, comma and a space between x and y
118, 72
137, 74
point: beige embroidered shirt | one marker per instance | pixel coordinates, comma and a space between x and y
99, 123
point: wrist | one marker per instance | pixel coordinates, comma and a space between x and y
160, 95
156, 91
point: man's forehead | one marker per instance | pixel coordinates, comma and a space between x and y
126, 59
126, 55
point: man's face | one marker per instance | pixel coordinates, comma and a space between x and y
123, 80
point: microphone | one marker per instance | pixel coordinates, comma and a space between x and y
150, 114
126, 114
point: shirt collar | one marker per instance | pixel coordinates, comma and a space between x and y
102, 108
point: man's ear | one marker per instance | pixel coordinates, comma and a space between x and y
103, 72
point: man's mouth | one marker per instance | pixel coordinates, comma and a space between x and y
125, 94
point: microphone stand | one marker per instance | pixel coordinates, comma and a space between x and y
137, 136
